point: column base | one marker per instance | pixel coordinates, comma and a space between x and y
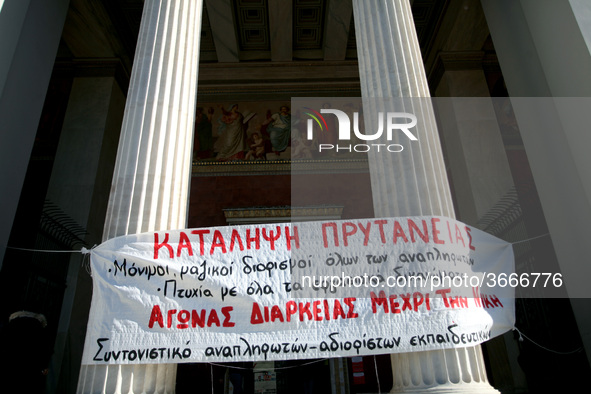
128, 379
458, 370
472, 388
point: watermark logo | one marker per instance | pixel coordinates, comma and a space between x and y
389, 122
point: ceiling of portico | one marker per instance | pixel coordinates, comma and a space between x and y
253, 43
280, 30
263, 29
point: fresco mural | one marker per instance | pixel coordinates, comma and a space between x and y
255, 131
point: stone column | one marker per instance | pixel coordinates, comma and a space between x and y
79, 185
30, 32
477, 161
150, 185
481, 176
390, 65
547, 75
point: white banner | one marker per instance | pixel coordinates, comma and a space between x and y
296, 291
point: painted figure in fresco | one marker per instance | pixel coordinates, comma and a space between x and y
257, 148
301, 148
203, 134
328, 136
280, 129
231, 145
331, 134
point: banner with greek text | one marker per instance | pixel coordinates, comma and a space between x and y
297, 291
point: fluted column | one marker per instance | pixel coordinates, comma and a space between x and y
150, 184
413, 183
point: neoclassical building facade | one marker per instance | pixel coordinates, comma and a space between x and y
109, 126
